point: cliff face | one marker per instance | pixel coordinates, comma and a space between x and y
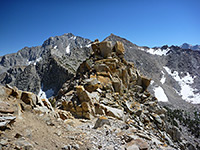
44, 67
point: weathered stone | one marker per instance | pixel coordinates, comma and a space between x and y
125, 78
106, 48
5, 120
112, 66
130, 146
41, 110
117, 85
82, 94
113, 112
5, 108
79, 109
5, 92
119, 48
28, 98
105, 82
101, 121
157, 118
145, 82
91, 84
143, 145
23, 144
65, 114
101, 68
134, 107
96, 47
174, 133
87, 115
89, 64
86, 107
99, 110
47, 103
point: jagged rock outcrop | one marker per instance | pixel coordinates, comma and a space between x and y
107, 85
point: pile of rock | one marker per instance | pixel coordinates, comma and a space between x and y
23, 100
107, 85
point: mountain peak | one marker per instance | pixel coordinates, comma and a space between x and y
189, 46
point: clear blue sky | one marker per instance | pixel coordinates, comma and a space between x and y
143, 22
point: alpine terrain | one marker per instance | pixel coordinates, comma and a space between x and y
74, 93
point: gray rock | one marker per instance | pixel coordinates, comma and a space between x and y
101, 121
174, 133
23, 144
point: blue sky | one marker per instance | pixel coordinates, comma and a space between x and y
143, 22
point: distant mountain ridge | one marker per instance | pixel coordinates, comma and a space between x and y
47, 70
189, 46
40, 67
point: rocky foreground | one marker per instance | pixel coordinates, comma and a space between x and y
105, 106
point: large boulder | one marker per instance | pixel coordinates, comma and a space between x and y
29, 98
106, 48
119, 48
113, 112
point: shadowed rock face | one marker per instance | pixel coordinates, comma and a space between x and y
47, 66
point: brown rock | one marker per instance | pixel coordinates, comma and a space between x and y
5, 108
145, 82
87, 115
91, 84
105, 82
79, 109
82, 94
28, 98
130, 146
99, 110
117, 85
102, 68
134, 107
112, 66
5, 92
143, 145
16, 93
106, 48
113, 112
96, 47
125, 78
65, 114
119, 47
86, 107
89, 64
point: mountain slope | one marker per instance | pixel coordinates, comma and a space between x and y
173, 70
44, 67
161, 64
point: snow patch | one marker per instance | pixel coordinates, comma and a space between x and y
34, 61
160, 94
68, 49
89, 45
187, 92
55, 47
158, 51
45, 95
162, 80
